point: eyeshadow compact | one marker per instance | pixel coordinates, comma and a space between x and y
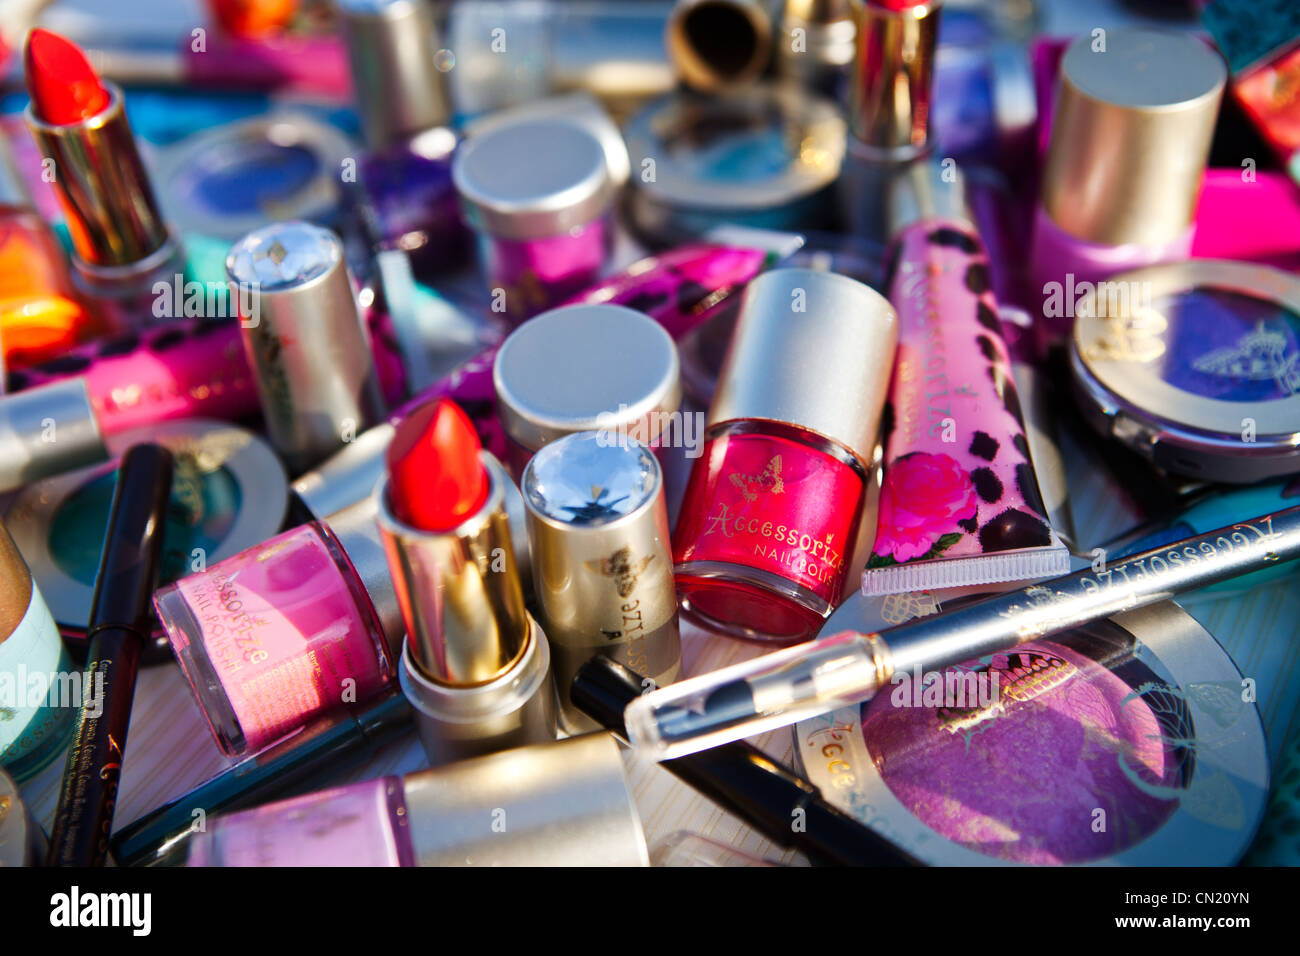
229, 492
1195, 365
1129, 741
229, 180
763, 157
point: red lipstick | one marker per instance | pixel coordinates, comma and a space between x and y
436, 478
122, 247
476, 667
63, 85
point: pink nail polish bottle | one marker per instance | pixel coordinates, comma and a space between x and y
1135, 112
302, 624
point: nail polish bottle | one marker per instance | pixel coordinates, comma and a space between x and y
603, 577
301, 625
1134, 116
543, 226
407, 198
773, 504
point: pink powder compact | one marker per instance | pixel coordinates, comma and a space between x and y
538, 193
1126, 741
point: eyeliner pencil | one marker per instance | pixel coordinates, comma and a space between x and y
119, 627
777, 802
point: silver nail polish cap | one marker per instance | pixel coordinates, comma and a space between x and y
46, 431
814, 349
398, 70
533, 179
584, 367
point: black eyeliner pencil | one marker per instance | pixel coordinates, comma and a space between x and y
119, 627
742, 779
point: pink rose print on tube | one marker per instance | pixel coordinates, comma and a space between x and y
959, 504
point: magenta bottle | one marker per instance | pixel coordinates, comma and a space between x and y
539, 194
1135, 112
300, 625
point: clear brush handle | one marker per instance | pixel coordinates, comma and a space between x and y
771, 691
809, 679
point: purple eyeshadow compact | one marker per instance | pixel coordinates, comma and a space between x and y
1196, 365
1131, 741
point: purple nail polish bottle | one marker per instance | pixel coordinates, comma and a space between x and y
404, 193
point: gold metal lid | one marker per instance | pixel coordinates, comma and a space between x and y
719, 45
15, 585
813, 349
1135, 112
889, 95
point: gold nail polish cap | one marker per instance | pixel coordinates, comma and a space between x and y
1135, 113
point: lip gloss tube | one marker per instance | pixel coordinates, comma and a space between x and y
122, 246
598, 524
544, 225
476, 666
1130, 138
562, 803
959, 503
299, 626
773, 505
304, 339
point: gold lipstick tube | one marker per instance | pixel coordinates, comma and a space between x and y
122, 244
476, 665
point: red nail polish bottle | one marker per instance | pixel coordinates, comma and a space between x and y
772, 508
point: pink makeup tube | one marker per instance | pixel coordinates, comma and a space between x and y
959, 503
538, 193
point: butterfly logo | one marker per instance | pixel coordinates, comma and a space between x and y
1258, 356
622, 568
769, 479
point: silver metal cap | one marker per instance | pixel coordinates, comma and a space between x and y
564, 803
357, 532
579, 107
813, 349
398, 70
924, 189
46, 431
1131, 135
585, 367
305, 340
598, 522
533, 179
